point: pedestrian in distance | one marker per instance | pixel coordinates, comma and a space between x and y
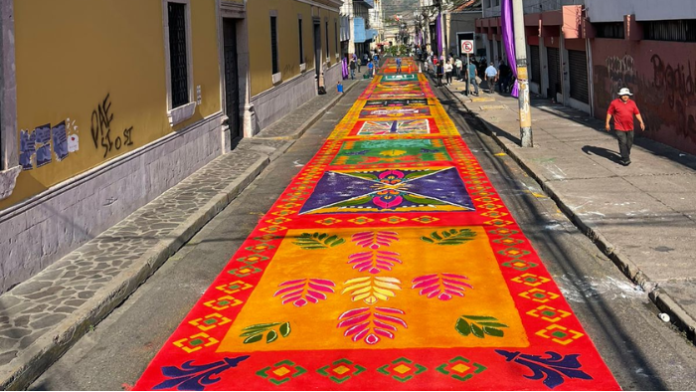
357, 61
471, 74
622, 110
448, 73
491, 75
398, 65
370, 68
458, 69
440, 71
352, 69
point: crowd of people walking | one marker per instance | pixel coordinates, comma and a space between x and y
490, 77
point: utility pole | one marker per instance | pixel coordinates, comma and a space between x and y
522, 76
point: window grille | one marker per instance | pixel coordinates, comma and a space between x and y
177, 54
671, 30
301, 44
610, 30
274, 45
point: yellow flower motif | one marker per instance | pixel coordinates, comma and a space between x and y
392, 153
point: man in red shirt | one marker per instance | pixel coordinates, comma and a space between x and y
622, 110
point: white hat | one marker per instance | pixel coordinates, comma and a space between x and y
624, 91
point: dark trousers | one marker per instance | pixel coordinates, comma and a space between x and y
625, 144
448, 77
473, 82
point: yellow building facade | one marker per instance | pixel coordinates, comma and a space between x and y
307, 44
100, 79
107, 104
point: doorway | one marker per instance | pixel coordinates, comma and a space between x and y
554, 61
317, 51
231, 78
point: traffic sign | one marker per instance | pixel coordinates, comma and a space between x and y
468, 46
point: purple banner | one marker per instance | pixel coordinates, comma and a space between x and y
509, 41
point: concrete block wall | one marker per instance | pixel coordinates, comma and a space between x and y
43, 229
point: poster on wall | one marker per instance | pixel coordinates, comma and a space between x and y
60, 141
43, 143
27, 149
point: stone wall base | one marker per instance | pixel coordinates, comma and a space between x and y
272, 104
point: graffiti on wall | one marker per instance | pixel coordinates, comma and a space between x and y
38, 148
102, 119
664, 91
677, 82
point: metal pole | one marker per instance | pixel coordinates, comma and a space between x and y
522, 76
466, 74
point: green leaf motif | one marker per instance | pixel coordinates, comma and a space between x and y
255, 333
423, 200
259, 327
285, 330
450, 237
271, 337
311, 241
477, 331
354, 202
253, 339
479, 326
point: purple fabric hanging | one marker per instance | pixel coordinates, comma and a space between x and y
439, 34
344, 68
509, 41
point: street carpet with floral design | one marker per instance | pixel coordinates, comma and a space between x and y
390, 262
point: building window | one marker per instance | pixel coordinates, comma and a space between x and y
178, 60
299, 24
274, 45
336, 35
671, 30
327, 40
178, 54
610, 30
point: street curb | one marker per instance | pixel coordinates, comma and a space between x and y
660, 298
32, 362
313, 119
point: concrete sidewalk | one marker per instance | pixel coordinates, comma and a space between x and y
41, 318
642, 216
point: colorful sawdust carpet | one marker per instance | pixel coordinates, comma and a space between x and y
390, 262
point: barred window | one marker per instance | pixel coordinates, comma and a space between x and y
671, 30
301, 44
274, 45
610, 30
178, 53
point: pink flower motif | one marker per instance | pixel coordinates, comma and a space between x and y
396, 173
301, 292
389, 203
